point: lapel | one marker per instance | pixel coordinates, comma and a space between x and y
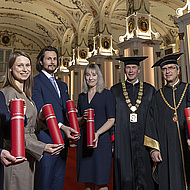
63, 93
49, 85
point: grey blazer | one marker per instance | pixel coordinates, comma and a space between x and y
21, 176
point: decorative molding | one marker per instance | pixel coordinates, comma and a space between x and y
118, 24
109, 58
148, 42
41, 27
73, 27
179, 11
130, 8
59, 17
21, 1
66, 53
35, 14
75, 15
13, 16
107, 10
19, 26
84, 26
140, 6
79, 5
7, 38
94, 12
105, 29
173, 32
30, 45
61, 29
67, 39
34, 41
172, 26
119, 16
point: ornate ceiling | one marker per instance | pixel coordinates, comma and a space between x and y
36, 23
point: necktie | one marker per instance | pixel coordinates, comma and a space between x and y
52, 79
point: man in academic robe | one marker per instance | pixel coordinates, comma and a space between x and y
132, 163
166, 133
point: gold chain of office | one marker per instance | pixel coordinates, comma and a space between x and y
128, 101
179, 100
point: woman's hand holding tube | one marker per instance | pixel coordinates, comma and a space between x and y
41, 115
82, 119
95, 141
24, 104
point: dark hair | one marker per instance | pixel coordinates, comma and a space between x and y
41, 56
9, 79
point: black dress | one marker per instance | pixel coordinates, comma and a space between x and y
94, 165
132, 163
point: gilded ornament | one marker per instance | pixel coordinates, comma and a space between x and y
133, 115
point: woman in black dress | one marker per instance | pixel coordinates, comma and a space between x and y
94, 164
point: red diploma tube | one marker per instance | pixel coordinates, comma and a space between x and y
52, 124
72, 116
90, 128
187, 115
17, 129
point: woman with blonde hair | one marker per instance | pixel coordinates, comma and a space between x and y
18, 84
94, 164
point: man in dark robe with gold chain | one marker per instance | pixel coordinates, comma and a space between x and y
166, 132
132, 162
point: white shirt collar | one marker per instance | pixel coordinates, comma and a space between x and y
134, 82
47, 74
175, 83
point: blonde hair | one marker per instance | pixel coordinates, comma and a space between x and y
100, 83
9, 79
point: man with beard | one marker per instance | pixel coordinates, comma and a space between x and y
132, 163
50, 171
166, 131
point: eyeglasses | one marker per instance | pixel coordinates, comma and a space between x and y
171, 68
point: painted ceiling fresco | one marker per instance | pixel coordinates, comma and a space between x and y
47, 22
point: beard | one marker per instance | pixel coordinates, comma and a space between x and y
50, 71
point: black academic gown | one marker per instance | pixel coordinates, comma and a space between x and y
170, 137
132, 164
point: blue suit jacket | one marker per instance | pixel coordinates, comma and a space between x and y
50, 171
44, 93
